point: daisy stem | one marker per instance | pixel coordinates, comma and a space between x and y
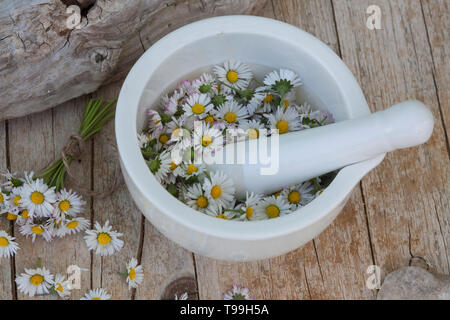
38, 264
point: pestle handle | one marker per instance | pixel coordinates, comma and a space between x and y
310, 153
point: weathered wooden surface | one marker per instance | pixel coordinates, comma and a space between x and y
48, 57
400, 211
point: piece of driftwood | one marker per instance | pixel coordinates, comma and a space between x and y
414, 283
50, 52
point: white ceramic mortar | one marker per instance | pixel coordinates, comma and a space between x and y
258, 41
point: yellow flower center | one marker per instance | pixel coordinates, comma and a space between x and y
206, 141
95, 298
286, 103
72, 224
272, 211
64, 205
294, 197
177, 133
249, 212
216, 192
132, 273
1, 198
24, 214
230, 117
253, 133
232, 76
103, 238
37, 230
37, 197
202, 202
36, 280
173, 166
191, 169
157, 121
222, 216
3, 242
198, 108
209, 120
282, 126
268, 98
17, 200
11, 217
59, 287
163, 138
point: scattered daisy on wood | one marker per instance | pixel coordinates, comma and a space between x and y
103, 240
97, 294
61, 286
8, 245
237, 293
134, 274
33, 282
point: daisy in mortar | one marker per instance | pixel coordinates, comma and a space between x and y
8, 247
143, 140
249, 207
234, 74
97, 294
135, 274
37, 197
68, 203
72, 226
160, 166
231, 112
35, 229
155, 124
61, 286
298, 195
256, 98
197, 105
197, 199
284, 120
219, 189
282, 81
252, 128
227, 214
189, 169
237, 293
171, 104
207, 139
103, 240
35, 281
208, 84
272, 207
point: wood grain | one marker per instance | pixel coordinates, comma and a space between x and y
407, 195
6, 291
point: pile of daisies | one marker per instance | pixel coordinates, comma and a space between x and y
196, 118
41, 212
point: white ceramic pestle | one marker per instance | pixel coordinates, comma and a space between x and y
310, 153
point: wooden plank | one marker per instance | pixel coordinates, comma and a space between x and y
436, 13
327, 267
407, 196
34, 141
6, 290
118, 208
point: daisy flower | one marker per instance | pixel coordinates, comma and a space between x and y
207, 84
284, 120
11, 181
172, 103
190, 169
237, 293
155, 124
143, 140
231, 212
251, 128
189, 87
282, 81
207, 139
272, 207
160, 166
184, 296
234, 74
97, 294
72, 226
231, 112
4, 198
219, 189
196, 199
36, 229
37, 198
103, 240
197, 105
68, 203
299, 195
289, 100
35, 281
8, 247
135, 275
61, 286
251, 201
